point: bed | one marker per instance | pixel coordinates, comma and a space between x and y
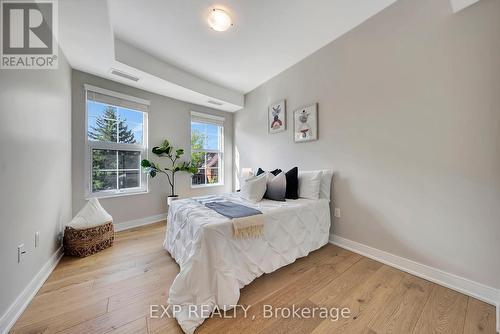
214, 266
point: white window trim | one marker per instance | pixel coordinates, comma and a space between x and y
219, 121
114, 94
90, 145
208, 117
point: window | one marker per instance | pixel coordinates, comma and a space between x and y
116, 139
207, 149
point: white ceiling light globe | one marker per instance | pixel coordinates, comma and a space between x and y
219, 20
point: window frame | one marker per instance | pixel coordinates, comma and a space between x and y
92, 145
198, 117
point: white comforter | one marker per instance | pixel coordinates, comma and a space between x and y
214, 266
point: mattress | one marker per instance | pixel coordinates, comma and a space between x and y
214, 266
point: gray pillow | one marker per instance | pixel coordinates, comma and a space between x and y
276, 187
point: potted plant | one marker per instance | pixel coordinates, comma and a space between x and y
166, 150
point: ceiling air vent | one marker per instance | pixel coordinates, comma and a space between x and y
124, 75
217, 103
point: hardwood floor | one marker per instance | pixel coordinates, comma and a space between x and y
111, 292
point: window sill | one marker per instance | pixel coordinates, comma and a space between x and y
110, 195
209, 185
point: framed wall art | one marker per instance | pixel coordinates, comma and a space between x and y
305, 121
276, 117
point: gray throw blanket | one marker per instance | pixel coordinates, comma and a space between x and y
247, 222
232, 210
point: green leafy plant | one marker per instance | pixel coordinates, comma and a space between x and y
168, 151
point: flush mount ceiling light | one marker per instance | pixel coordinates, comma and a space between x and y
219, 20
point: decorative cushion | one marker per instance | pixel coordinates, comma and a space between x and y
253, 189
274, 172
91, 215
292, 183
309, 184
276, 187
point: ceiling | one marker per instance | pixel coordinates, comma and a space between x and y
169, 47
267, 36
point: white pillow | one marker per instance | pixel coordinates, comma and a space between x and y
309, 184
91, 215
254, 188
326, 184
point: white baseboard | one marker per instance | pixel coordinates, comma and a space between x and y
463, 285
10, 317
139, 222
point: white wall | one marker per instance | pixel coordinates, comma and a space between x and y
168, 118
409, 112
35, 171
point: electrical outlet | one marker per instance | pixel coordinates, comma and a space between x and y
20, 252
37, 239
337, 212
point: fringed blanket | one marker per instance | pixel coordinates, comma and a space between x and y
248, 227
247, 222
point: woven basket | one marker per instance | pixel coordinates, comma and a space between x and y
89, 241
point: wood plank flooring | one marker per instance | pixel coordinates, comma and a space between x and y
111, 292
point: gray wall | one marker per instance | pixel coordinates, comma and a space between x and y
409, 112
35, 170
168, 118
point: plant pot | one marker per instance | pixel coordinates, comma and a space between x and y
171, 198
